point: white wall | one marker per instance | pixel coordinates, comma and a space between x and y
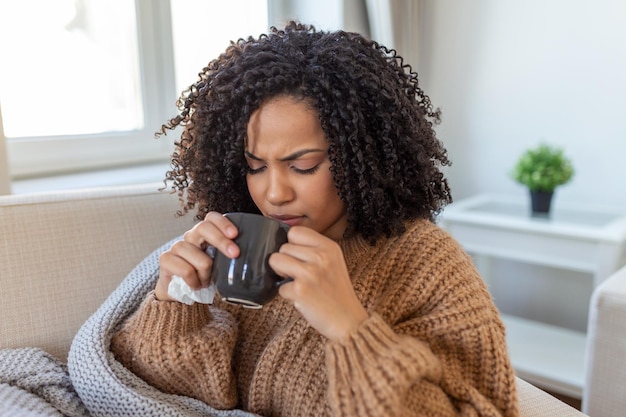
510, 73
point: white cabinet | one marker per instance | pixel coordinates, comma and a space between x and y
586, 239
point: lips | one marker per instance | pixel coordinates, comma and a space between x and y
289, 219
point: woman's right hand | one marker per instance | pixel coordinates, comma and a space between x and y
188, 259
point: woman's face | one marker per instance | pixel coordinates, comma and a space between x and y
289, 174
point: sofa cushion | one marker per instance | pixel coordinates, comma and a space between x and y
61, 254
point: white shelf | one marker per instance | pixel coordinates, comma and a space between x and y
548, 356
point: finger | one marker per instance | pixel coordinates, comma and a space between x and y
303, 244
171, 264
316, 249
191, 263
222, 222
297, 276
287, 266
286, 290
299, 252
217, 231
305, 236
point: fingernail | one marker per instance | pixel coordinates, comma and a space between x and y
232, 250
231, 231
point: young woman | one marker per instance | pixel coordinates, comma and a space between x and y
386, 315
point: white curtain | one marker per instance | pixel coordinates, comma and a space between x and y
5, 179
349, 15
393, 23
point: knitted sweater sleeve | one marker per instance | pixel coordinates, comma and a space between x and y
377, 372
435, 348
181, 349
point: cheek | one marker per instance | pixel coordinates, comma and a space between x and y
326, 188
254, 188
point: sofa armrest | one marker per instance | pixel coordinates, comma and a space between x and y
62, 254
533, 402
605, 366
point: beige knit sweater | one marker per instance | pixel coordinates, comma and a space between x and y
433, 346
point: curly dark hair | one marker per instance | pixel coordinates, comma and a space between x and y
386, 160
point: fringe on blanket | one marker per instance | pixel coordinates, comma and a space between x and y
34, 383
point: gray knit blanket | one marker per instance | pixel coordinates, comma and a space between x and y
33, 383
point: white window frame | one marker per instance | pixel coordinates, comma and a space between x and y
37, 156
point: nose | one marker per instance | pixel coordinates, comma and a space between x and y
279, 189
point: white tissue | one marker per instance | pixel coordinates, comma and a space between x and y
179, 290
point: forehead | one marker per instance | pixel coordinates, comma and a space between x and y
284, 124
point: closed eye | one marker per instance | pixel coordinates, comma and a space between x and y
253, 171
306, 171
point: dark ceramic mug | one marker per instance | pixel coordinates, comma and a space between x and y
248, 279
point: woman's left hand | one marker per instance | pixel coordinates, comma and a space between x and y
321, 289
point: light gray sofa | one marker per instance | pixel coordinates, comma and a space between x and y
605, 383
61, 254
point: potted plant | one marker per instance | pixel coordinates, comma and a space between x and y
542, 169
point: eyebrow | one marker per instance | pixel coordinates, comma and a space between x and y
290, 157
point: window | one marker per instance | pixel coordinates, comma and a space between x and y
89, 82
72, 68
203, 29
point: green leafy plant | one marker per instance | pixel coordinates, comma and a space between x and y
543, 168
